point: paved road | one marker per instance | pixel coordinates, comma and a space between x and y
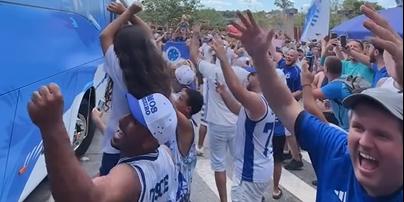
296, 185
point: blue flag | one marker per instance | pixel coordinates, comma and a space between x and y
317, 22
175, 51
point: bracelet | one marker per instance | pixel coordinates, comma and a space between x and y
306, 85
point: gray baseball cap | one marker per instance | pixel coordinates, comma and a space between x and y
390, 100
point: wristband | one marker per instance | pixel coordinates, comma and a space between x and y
306, 85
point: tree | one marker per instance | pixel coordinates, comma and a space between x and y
284, 4
347, 9
262, 19
352, 7
300, 19
210, 17
169, 12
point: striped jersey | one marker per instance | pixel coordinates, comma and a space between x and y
157, 175
185, 166
253, 160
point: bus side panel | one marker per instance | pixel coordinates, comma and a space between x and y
94, 10
8, 104
41, 43
26, 143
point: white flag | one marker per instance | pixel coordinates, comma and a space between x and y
317, 24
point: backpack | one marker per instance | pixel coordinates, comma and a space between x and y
356, 84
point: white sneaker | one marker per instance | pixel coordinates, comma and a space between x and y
199, 151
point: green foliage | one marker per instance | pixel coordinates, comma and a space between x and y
340, 10
299, 19
284, 4
210, 18
352, 7
168, 12
262, 19
346, 9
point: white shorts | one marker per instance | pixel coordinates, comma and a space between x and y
248, 191
287, 133
221, 139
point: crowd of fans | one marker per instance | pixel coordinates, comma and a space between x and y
262, 97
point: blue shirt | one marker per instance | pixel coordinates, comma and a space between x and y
379, 74
336, 91
329, 153
292, 74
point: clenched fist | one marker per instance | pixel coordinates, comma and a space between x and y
116, 8
46, 106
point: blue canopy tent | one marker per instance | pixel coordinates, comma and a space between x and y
354, 28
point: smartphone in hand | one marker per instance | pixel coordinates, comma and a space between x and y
343, 40
333, 35
310, 60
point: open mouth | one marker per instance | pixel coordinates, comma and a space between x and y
367, 162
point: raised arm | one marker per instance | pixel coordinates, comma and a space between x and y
185, 135
108, 34
119, 9
68, 180
309, 100
386, 39
338, 51
251, 101
364, 59
258, 42
276, 57
230, 102
194, 47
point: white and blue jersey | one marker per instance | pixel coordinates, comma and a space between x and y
253, 159
185, 166
157, 175
329, 153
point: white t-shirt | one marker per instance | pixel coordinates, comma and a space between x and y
206, 51
230, 54
216, 110
119, 104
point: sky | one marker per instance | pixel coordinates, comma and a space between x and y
268, 5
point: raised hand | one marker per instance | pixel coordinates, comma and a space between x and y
255, 39
307, 77
220, 88
387, 39
196, 28
46, 106
218, 47
135, 7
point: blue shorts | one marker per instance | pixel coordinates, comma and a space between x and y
108, 162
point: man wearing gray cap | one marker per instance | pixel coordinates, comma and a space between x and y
365, 165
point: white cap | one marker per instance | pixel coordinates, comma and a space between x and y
390, 100
242, 61
156, 113
185, 75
